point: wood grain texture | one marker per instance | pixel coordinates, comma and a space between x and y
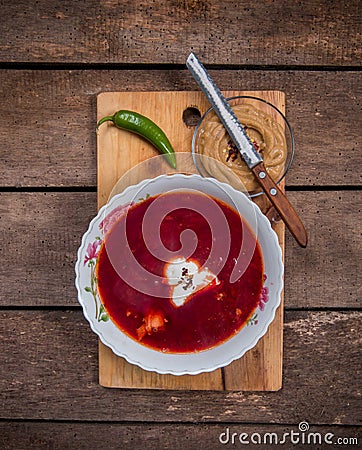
324, 109
316, 32
262, 368
31, 435
56, 56
115, 372
43, 233
50, 371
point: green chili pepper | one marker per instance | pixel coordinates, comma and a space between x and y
135, 122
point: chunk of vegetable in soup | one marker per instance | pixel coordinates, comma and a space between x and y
201, 309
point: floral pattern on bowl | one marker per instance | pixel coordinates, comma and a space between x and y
91, 258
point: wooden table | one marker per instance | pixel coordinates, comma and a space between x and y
55, 58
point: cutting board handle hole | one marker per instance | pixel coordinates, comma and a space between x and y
191, 116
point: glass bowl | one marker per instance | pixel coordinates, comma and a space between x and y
215, 155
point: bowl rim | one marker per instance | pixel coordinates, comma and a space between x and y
212, 365
291, 151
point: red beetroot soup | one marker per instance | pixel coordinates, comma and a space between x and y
185, 304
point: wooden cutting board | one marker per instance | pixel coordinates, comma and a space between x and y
260, 369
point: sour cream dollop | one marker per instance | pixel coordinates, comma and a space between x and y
185, 278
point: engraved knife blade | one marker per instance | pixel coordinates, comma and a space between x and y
247, 150
223, 110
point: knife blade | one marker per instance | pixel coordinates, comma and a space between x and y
246, 148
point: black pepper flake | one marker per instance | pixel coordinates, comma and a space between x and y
186, 279
232, 151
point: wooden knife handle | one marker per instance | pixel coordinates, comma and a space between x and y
281, 204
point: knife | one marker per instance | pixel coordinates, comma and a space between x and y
247, 150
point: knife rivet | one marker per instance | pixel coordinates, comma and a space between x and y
273, 191
262, 175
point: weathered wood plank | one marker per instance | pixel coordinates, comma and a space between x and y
47, 121
69, 435
313, 32
328, 272
49, 371
42, 233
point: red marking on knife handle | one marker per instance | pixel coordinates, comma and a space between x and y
281, 204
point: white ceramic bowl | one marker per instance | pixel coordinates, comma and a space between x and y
176, 363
